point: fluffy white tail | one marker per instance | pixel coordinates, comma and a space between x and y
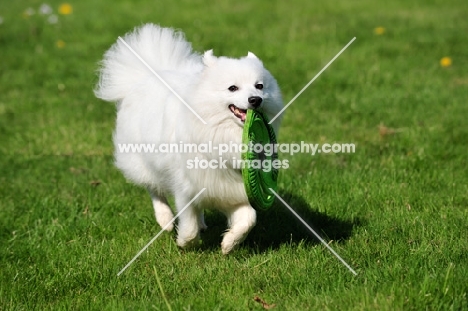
163, 49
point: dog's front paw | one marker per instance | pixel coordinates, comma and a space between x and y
165, 223
164, 216
229, 243
189, 243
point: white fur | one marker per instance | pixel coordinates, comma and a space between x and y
148, 112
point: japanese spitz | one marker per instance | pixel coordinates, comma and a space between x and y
168, 94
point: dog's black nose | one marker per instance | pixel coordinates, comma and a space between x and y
255, 101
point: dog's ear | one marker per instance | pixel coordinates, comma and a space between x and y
251, 55
208, 58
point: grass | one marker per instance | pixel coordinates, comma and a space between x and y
396, 210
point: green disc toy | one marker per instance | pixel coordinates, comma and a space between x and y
258, 172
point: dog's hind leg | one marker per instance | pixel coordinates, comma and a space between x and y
201, 221
162, 211
188, 225
241, 221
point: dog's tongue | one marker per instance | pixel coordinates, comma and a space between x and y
243, 116
240, 113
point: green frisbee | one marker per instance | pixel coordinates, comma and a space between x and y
258, 171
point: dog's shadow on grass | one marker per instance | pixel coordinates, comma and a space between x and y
277, 226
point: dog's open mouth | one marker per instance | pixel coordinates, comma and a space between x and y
239, 113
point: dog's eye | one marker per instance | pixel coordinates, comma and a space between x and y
259, 86
233, 88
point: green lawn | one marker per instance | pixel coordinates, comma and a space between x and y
396, 210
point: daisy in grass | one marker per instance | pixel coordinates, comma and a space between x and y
65, 9
379, 30
445, 61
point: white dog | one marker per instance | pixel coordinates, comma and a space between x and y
219, 90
